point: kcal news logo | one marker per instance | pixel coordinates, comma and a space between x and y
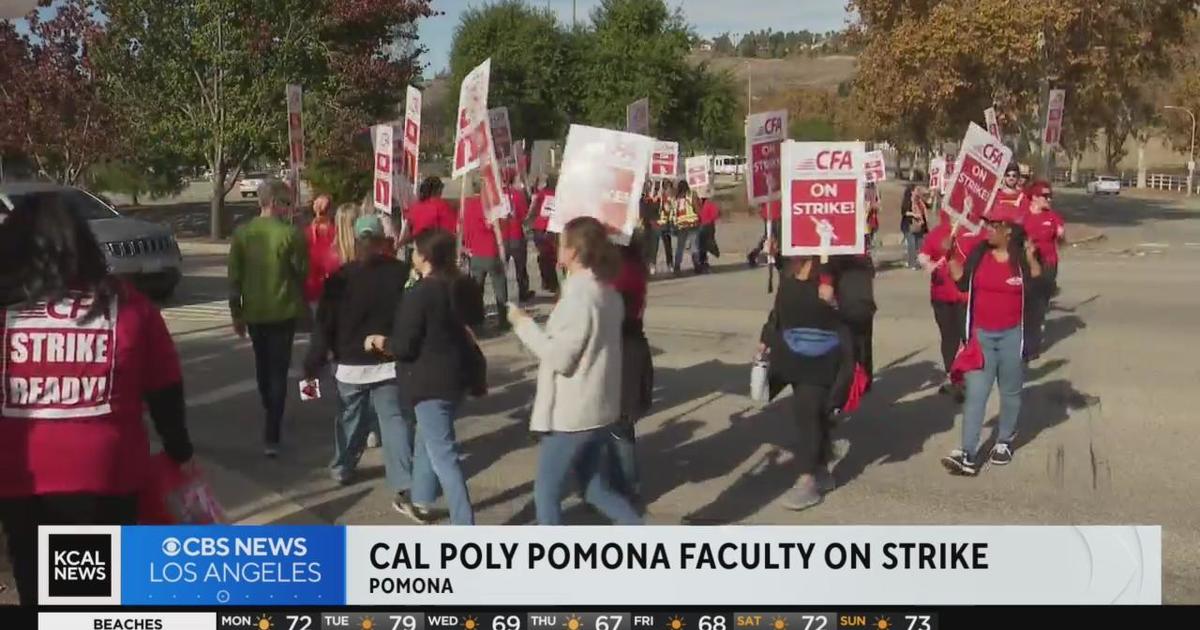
81, 565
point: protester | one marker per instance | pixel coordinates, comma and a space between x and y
651, 207
1046, 229
323, 260
771, 213
947, 242
361, 300
578, 396
707, 240
344, 241
812, 351
267, 267
995, 274
686, 221
515, 247
666, 223
430, 212
82, 462
434, 348
913, 222
479, 239
1008, 196
873, 203
853, 279
545, 241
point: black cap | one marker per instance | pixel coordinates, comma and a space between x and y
1013, 168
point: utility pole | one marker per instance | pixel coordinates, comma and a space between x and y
574, 13
1192, 151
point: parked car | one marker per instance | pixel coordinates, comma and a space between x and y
1104, 185
248, 186
145, 253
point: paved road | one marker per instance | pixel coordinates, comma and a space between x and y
1107, 427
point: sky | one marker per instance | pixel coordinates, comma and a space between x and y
709, 17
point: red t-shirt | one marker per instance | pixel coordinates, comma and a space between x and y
323, 259
941, 285
1007, 200
478, 236
709, 212
432, 213
71, 395
1044, 229
999, 295
631, 283
513, 228
772, 208
542, 221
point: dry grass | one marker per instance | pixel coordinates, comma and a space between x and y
778, 75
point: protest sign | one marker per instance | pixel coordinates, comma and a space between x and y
947, 175
824, 198
411, 145
764, 134
1052, 134
295, 101
522, 151
541, 157
993, 124
602, 176
502, 137
384, 153
472, 120
664, 162
875, 167
937, 172
637, 117
699, 175
977, 173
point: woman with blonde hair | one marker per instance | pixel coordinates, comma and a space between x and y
343, 220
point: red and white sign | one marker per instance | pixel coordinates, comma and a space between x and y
502, 136
992, 122
699, 175
602, 176
495, 202
295, 104
978, 173
411, 146
875, 166
637, 117
472, 121
664, 162
824, 197
937, 173
947, 175
384, 154
58, 366
765, 134
1052, 135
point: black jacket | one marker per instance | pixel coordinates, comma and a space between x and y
358, 301
431, 344
797, 305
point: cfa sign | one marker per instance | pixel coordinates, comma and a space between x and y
771, 126
835, 161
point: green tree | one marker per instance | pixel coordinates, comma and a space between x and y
529, 52
156, 179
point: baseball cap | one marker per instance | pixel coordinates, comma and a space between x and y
369, 225
1040, 188
1012, 169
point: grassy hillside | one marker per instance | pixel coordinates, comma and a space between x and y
779, 75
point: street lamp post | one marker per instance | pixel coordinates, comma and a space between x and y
1192, 150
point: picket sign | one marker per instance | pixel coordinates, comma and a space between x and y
295, 107
978, 172
603, 172
990, 119
664, 160
637, 117
412, 136
699, 174
875, 167
1056, 107
824, 199
384, 147
765, 134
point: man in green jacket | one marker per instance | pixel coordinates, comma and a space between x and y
268, 262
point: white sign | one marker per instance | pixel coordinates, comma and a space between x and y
471, 127
1052, 135
978, 173
502, 136
753, 565
699, 174
384, 153
664, 161
637, 117
993, 123
765, 134
411, 145
541, 158
937, 172
602, 176
875, 167
824, 201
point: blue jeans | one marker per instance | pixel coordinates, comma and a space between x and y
1002, 365
355, 421
684, 240
272, 345
581, 453
436, 462
913, 243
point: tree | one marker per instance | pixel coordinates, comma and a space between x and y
529, 52
210, 75
723, 46
136, 179
55, 113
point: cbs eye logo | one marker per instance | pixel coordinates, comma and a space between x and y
171, 547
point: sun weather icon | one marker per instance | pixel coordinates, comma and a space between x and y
367, 623
779, 624
573, 623
883, 623
675, 623
470, 623
264, 622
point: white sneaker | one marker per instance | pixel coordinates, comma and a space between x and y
373, 440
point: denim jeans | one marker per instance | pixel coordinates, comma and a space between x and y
581, 453
481, 268
272, 345
517, 251
355, 421
913, 244
436, 461
685, 239
1001, 364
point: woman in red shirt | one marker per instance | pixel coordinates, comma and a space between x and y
949, 304
1046, 229
545, 241
479, 239
709, 213
323, 258
995, 276
431, 211
83, 355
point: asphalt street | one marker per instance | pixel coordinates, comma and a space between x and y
1106, 431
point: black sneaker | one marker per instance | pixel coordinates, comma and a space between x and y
1002, 454
403, 505
752, 259
958, 463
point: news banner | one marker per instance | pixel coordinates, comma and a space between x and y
576, 578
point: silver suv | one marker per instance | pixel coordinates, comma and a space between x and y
145, 253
